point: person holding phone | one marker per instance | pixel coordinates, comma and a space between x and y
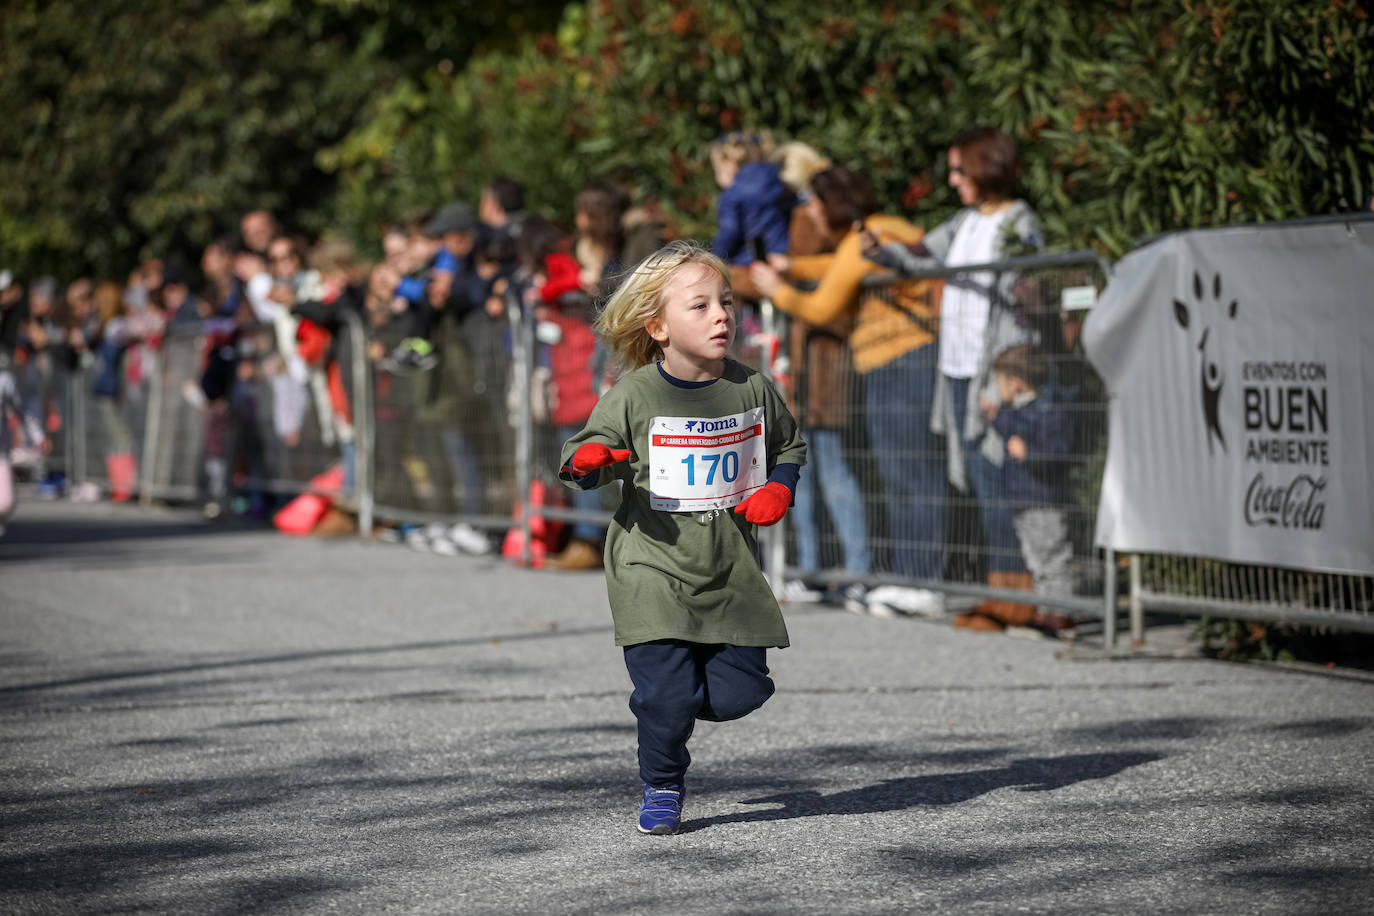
891, 335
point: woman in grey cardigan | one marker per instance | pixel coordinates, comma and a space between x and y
979, 318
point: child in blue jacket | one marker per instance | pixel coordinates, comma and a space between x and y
754, 202
1036, 420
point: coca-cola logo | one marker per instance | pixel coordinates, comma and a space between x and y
1296, 504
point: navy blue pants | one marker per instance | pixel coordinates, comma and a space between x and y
678, 682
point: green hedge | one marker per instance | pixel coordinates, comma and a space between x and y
1134, 117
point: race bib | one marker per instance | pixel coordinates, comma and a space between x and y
703, 463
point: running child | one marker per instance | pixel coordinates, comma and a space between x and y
705, 450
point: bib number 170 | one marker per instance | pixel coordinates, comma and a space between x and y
727, 464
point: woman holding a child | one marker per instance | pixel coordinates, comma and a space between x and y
891, 337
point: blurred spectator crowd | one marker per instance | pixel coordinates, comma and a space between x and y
247, 366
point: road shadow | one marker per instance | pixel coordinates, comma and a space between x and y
125, 684
97, 542
1031, 774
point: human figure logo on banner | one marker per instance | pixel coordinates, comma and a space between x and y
1213, 378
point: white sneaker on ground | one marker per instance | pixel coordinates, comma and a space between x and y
796, 591
897, 600
469, 540
418, 538
443, 547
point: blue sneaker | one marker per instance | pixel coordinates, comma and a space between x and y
660, 811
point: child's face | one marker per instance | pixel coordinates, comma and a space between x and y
1008, 386
697, 323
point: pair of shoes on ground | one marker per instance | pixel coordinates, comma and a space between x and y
579, 554
1044, 623
448, 540
660, 809
795, 591
892, 602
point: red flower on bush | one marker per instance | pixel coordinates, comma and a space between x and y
729, 118
546, 45
838, 29
1031, 131
682, 21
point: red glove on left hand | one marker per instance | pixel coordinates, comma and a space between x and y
766, 506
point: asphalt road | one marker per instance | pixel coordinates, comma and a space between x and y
202, 719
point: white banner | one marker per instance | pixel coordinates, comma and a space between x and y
1241, 368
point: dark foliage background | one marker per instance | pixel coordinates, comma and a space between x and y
142, 127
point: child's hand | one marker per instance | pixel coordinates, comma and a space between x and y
1016, 448
592, 455
766, 506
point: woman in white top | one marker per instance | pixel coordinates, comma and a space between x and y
979, 318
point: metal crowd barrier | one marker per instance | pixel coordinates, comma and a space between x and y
224, 414
466, 441
956, 555
442, 438
1199, 586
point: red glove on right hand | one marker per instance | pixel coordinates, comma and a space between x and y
592, 455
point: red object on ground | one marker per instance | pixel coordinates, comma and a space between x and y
544, 533
300, 516
123, 470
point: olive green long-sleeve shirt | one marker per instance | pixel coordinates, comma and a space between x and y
689, 575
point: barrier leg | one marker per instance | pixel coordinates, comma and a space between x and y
1109, 599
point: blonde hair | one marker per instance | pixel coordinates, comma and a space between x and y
740, 148
640, 298
797, 162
